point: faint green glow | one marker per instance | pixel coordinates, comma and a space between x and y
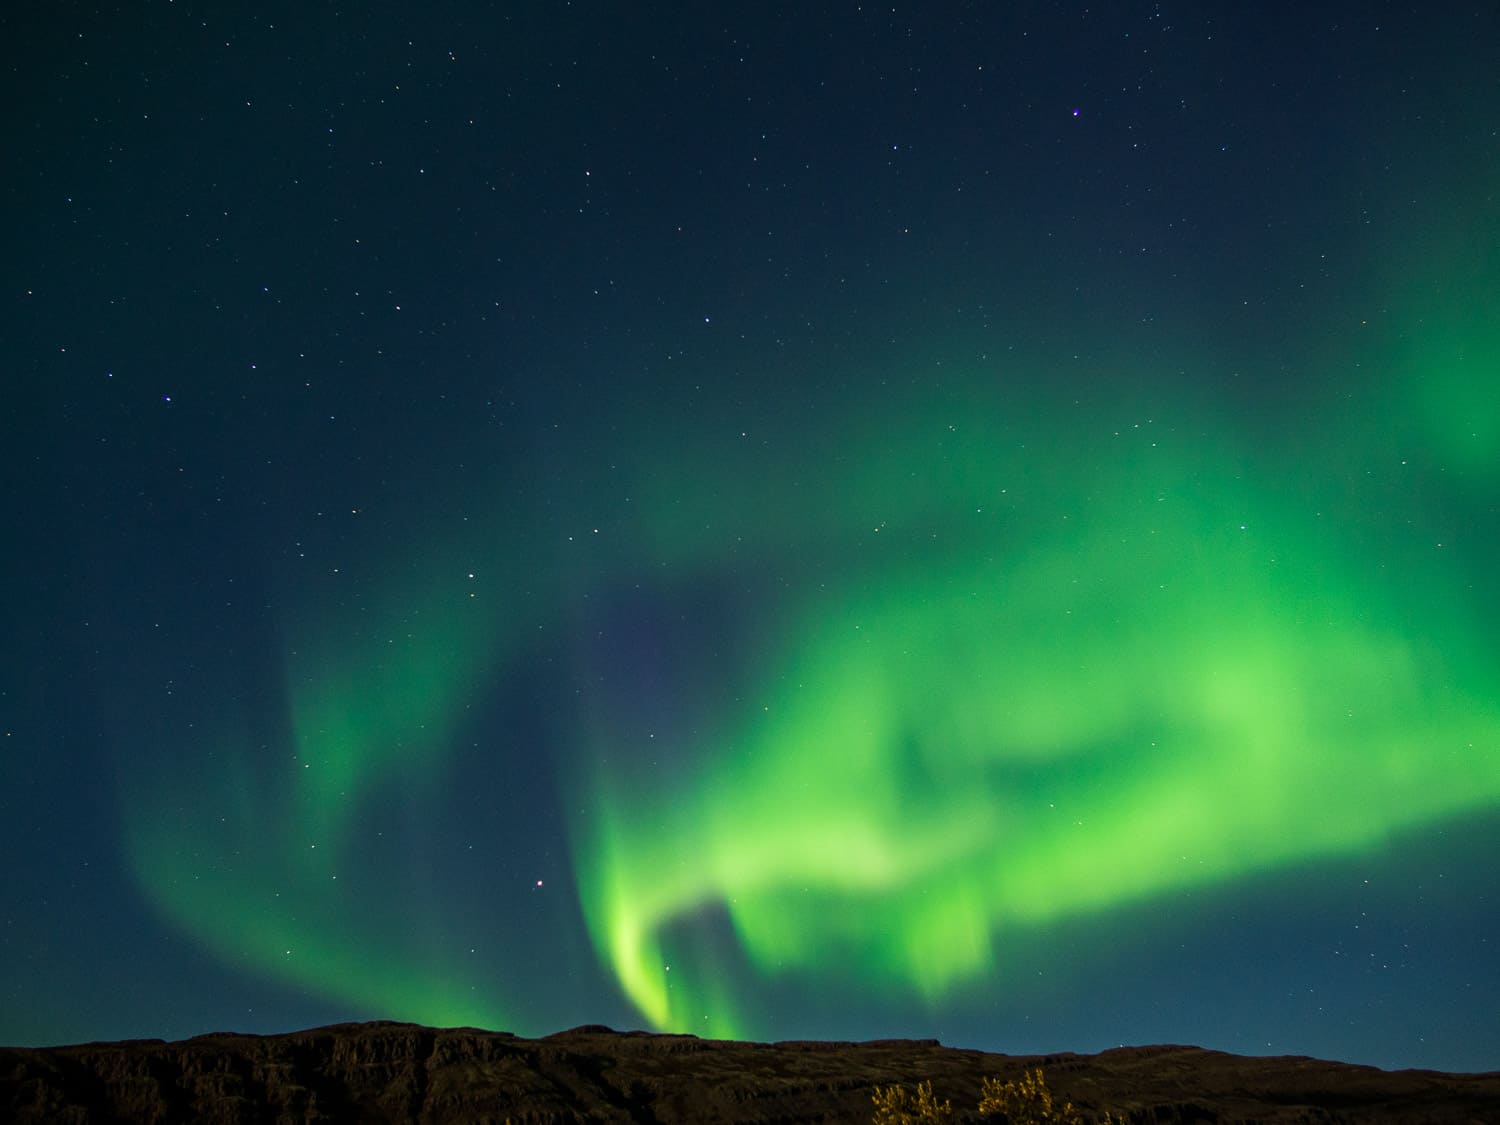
265, 908
1455, 382
1445, 341
377, 700
258, 851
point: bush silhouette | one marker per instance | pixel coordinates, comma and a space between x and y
897, 1105
1023, 1101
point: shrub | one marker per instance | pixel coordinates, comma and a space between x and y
1027, 1101
1024, 1101
897, 1105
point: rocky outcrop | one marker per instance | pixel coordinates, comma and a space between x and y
389, 1072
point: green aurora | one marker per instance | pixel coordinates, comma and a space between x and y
1144, 673
1030, 657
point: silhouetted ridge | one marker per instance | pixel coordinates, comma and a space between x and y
396, 1072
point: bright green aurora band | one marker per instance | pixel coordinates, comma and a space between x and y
1033, 657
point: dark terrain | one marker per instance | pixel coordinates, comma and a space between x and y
390, 1072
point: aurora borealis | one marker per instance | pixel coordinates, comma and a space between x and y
977, 524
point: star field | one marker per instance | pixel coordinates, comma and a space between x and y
839, 522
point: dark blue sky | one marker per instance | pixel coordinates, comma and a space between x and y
853, 520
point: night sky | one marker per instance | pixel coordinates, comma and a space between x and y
844, 520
